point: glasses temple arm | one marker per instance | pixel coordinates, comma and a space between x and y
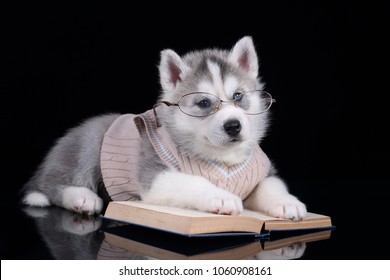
158, 104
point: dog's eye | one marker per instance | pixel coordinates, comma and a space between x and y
204, 103
237, 96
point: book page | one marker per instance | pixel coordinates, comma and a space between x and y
258, 215
168, 209
192, 212
197, 213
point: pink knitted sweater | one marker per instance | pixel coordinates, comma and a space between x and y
120, 156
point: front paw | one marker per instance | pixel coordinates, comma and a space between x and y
82, 200
222, 202
285, 206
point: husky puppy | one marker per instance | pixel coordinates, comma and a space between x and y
197, 148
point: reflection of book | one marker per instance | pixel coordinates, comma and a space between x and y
127, 241
192, 222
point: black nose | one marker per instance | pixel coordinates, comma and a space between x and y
232, 127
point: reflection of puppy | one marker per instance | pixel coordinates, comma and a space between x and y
66, 221
198, 148
293, 251
68, 235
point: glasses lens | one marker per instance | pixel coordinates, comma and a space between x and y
199, 104
254, 102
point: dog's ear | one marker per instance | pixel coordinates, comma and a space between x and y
243, 55
172, 69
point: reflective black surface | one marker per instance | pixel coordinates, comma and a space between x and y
55, 233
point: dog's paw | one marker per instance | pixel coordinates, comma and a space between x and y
82, 200
285, 206
222, 202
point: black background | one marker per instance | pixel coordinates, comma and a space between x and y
324, 63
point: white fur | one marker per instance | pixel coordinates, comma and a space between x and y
223, 91
36, 199
230, 86
215, 71
82, 200
205, 86
273, 198
188, 191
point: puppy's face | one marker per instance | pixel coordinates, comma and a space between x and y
212, 121
228, 132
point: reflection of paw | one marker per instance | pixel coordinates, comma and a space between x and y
222, 202
82, 200
35, 212
108, 251
285, 206
293, 251
78, 224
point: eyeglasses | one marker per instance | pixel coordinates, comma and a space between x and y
202, 104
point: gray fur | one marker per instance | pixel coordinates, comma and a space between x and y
73, 161
150, 164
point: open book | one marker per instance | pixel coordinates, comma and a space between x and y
135, 242
197, 223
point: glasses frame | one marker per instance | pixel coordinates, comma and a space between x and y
167, 103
